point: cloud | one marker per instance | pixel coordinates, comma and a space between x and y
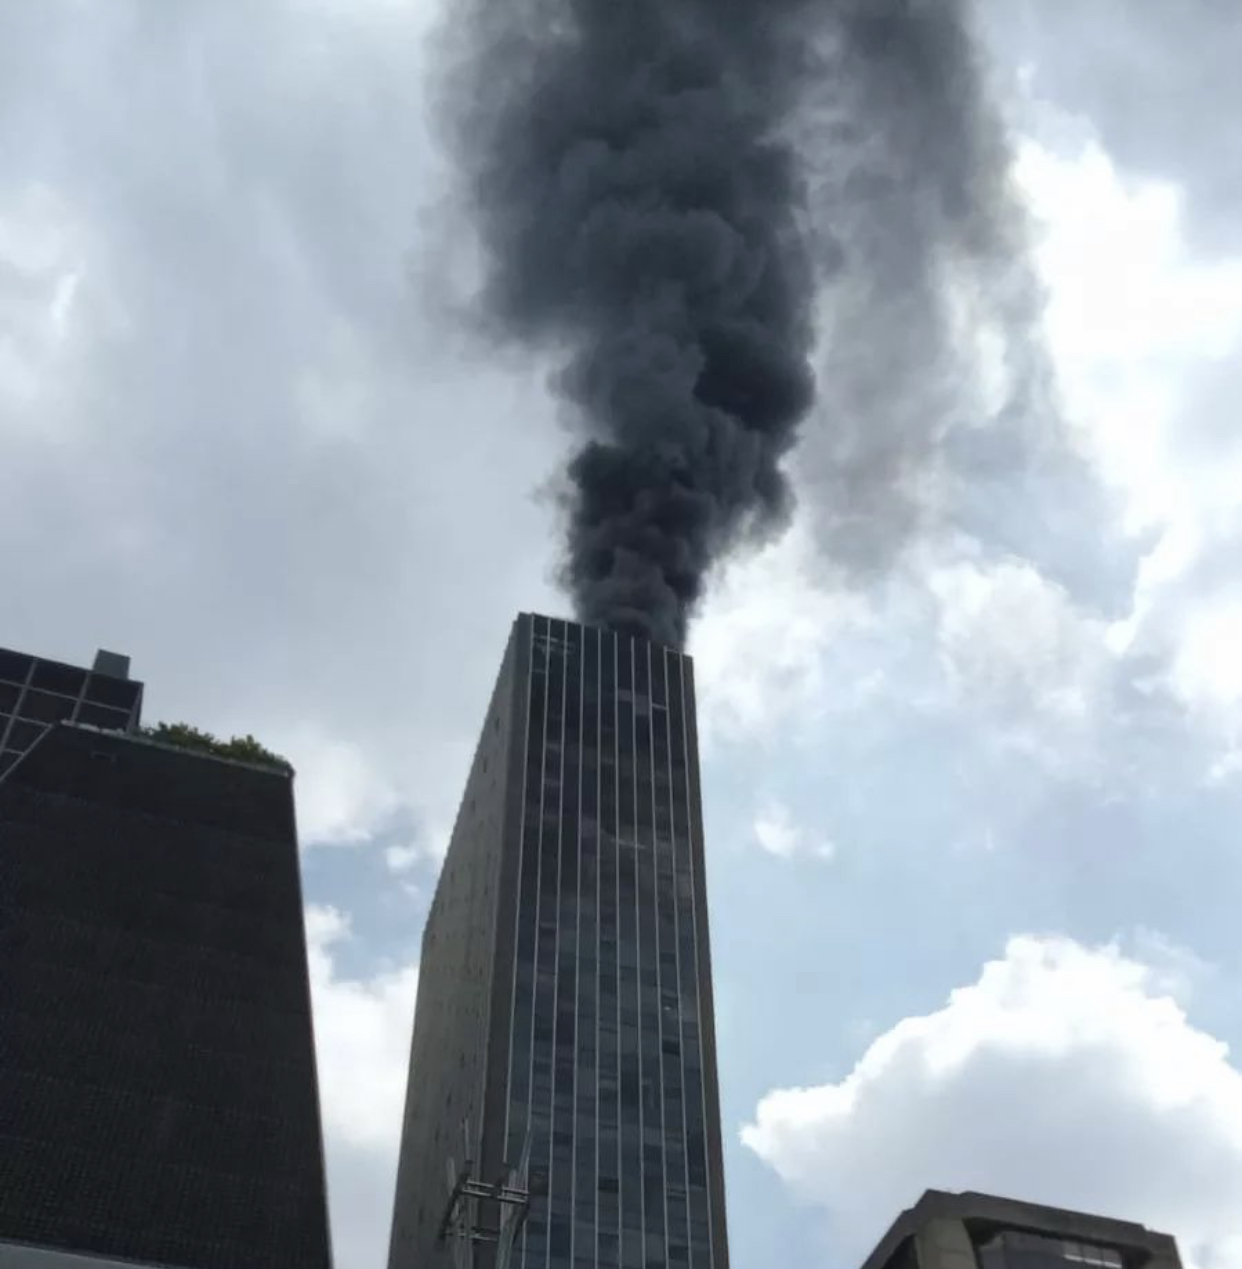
1207, 670
402, 858
1133, 315
1050, 635
362, 1040
778, 834
1014, 642
341, 798
1084, 666
1147, 335
283, 467
1159, 83
362, 1035
1065, 1074
40, 255
762, 645
1228, 766
1173, 969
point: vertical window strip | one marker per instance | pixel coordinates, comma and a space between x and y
540, 1136
529, 678
599, 882
586, 1163
674, 668
616, 732
576, 847
638, 950
608, 1203
656, 656
556, 947
695, 848
538, 630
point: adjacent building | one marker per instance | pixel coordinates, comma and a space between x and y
564, 1022
158, 1096
36, 693
980, 1231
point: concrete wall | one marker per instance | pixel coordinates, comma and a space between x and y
18, 1256
943, 1243
157, 1070
455, 1014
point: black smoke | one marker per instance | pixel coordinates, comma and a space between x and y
640, 175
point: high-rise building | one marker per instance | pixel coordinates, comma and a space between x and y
980, 1231
564, 1019
158, 1095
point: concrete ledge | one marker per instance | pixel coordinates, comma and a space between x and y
26, 1256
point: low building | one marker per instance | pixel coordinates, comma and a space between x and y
981, 1231
158, 1094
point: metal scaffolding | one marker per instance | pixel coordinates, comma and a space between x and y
479, 1212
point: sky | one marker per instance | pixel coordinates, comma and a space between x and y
972, 828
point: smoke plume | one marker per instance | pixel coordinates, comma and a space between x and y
662, 190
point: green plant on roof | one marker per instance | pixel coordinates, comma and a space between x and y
239, 748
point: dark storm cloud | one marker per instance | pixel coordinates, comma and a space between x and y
662, 188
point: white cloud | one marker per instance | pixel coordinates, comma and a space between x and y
1066, 1074
427, 852
1225, 768
761, 646
1147, 337
362, 1037
403, 858
1132, 315
362, 1041
778, 834
42, 249
1207, 665
1012, 639
341, 798
1173, 969
1135, 320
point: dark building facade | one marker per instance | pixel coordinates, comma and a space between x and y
36, 693
158, 1092
981, 1231
565, 1015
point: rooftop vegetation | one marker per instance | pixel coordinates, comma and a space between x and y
239, 748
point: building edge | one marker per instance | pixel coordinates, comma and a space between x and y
944, 1227
707, 1004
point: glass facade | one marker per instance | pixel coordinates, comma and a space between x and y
1013, 1249
611, 1088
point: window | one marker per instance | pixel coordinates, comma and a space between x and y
44, 707
1012, 1249
104, 690
1083, 1253
23, 735
14, 666
66, 679
99, 716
